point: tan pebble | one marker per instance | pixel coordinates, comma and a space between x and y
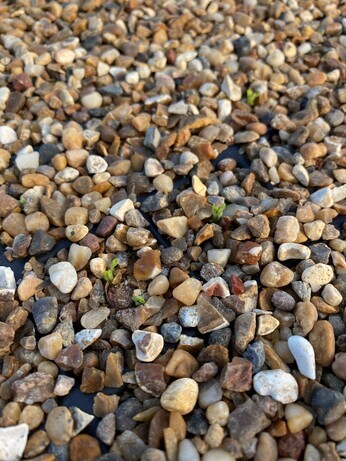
306, 317
276, 275
322, 340
266, 324
297, 417
50, 346
337, 431
266, 448
32, 415
76, 215
59, 425
76, 232
175, 227
181, 396
35, 221
188, 291
287, 229
158, 286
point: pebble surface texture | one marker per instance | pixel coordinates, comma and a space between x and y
172, 230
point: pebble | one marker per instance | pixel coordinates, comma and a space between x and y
181, 396
64, 276
174, 227
331, 295
148, 345
120, 209
86, 337
7, 135
266, 448
279, 385
266, 324
322, 339
297, 417
287, 229
96, 164
92, 100
13, 440
329, 405
163, 183
304, 355
217, 454
276, 275
187, 291
317, 276
256, 355
50, 346
293, 251
237, 375
339, 365
187, 450
79, 256
7, 284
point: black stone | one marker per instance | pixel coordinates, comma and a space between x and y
171, 332
320, 253
197, 423
125, 413
111, 90
45, 313
328, 405
42, 242
255, 354
47, 152
221, 337
211, 270
242, 46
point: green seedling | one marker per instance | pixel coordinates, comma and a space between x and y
138, 300
217, 212
251, 96
109, 275
22, 201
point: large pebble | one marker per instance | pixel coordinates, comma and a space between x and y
218, 454
59, 425
120, 209
304, 355
175, 227
293, 251
13, 441
279, 385
187, 451
64, 276
297, 417
181, 396
287, 229
276, 275
7, 135
7, 283
322, 339
317, 276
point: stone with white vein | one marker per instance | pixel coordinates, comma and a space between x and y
7, 283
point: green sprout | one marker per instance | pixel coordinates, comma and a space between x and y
108, 275
217, 212
251, 96
22, 201
138, 300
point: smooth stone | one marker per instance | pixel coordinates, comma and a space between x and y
96, 164
181, 396
293, 251
13, 441
64, 276
279, 385
187, 451
266, 449
287, 229
175, 227
209, 393
276, 275
218, 454
188, 291
50, 346
322, 339
317, 276
331, 295
219, 257
59, 425
79, 256
304, 355
297, 417
148, 345
7, 135
329, 405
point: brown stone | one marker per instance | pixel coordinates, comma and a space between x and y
148, 266
237, 375
7, 204
83, 447
93, 380
105, 404
70, 358
150, 378
114, 369
248, 253
34, 388
339, 365
181, 365
322, 339
214, 353
291, 445
7, 333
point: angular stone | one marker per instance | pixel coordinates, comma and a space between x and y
34, 388
244, 329
150, 378
148, 266
187, 291
13, 440
45, 313
148, 345
237, 375
7, 284
276, 275
175, 227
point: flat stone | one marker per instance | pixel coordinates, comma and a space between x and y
174, 227
266, 324
181, 396
13, 440
86, 337
304, 355
279, 385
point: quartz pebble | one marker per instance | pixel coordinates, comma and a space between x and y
148, 345
304, 355
279, 385
13, 440
7, 283
317, 276
63, 275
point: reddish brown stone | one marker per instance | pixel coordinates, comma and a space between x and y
150, 378
236, 285
70, 358
248, 253
93, 380
237, 375
22, 82
106, 226
34, 388
291, 445
214, 353
83, 447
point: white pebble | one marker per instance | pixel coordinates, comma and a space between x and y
278, 384
96, 164
92, 100
317, 276
27, 159
331, 295
217, 454
120, 209
219, 257
187, 451
304, 355
64, 276
86, 337
7, 283
7, 135
13, 441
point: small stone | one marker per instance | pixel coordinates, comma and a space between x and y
181, 396
150, 378
171, 332
329, 405
279, 385
276, 275
293, 251
7, 284
187, 291
181, 365
86, 337
322, 339
41, 242
93, 380
304, 355
174, 227
79, 256
63, 385
7, 135
32, 415
244, 329
337, 431
317, 276
96, 164
297, 417
237, 375
120, 209
7, 205
45, 313
266, 448
34, 388
50, 346
217, 454
148, 345
331, 295
218, 413
187, 450
256, 355
64, 276
339, 365
84, 447
287, 229
259, 226
206, 372
153, 168
283, 300
219, 257
291, 446
266, 324
148, 266
92, 100
131, 446
276, 58
231, 90
106, 429
13, 440
27, 159
152, 138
